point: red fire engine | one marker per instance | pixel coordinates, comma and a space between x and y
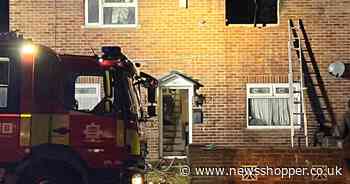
46, 138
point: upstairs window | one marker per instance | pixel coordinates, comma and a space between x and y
4, 81
118, 13
253, 12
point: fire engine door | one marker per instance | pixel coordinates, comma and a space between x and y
92, 131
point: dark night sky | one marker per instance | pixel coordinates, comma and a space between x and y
4, 15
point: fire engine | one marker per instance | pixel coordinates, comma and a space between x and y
46, 138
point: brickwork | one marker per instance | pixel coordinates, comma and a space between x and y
276, 158
196, 41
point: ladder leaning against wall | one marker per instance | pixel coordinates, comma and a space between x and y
297, 115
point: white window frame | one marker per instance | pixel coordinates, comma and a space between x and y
97, 86
5, 59
100, 23
272, 94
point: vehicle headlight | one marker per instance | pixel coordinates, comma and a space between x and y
137, 179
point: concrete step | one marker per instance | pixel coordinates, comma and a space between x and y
176, 140
174, 153
169, 134
170, 148
169, 128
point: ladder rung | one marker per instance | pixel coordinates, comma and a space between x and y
298, 113
297, 91
296, 81
295, 38
297, 102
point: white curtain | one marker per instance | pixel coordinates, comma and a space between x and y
269, 111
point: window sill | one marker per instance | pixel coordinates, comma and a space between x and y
252, 25
136, 26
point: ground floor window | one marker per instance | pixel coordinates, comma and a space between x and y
268, 105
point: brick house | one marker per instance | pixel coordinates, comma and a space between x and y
206, 42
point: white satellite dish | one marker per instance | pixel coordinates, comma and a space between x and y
337, 69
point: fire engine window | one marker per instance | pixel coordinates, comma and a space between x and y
45, 84
88, 92
134, 107
4, 81
251, 12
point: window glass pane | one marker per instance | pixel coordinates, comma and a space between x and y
267, 12
119, 15
281, 90
4, 72
3, 97
246, 11
85, 90
260, 90
118, 1
268, 112
93, 11
240, 11
89, 91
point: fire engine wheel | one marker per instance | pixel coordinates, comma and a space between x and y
49, 172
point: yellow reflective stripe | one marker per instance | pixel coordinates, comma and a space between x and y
25, 124
135, 143
59, 121
25, 115
133, 140
120, 133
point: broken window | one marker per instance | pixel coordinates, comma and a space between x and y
111, 12
255, 12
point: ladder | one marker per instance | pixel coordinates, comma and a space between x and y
297, 115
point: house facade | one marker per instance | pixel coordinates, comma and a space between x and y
234, 53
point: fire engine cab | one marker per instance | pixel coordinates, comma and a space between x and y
47, 135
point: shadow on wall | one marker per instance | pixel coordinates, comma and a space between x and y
318, 97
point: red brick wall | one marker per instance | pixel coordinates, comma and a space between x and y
223, 58
276, 158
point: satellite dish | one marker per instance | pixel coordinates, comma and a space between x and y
337, 69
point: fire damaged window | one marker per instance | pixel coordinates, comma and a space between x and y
4, 81
119, 13
256, 12
268, 105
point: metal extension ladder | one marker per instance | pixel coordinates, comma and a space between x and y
297, 115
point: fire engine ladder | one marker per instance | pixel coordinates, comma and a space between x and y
297, 114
